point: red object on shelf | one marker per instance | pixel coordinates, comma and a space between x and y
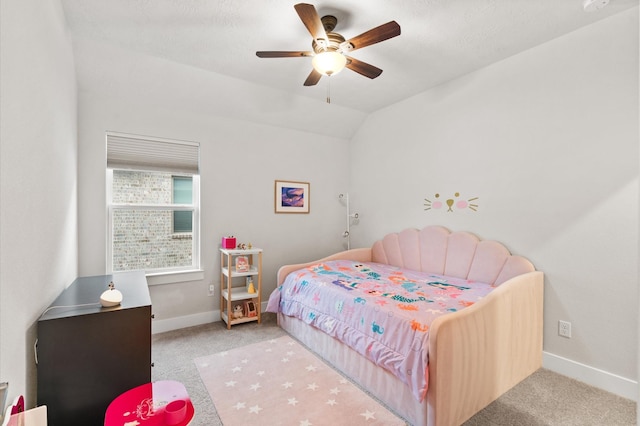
228, 242
161, 403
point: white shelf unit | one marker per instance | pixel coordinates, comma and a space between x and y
231, 295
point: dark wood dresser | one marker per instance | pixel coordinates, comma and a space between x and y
88, 355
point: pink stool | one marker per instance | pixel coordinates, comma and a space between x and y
161, 403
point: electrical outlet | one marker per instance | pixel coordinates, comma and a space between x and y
212, 289
564, 329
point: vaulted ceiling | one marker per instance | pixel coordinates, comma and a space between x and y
440, 39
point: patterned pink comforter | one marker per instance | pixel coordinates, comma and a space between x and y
381, 311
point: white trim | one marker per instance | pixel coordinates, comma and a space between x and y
601, 379
109, 213
174, 277
176, 323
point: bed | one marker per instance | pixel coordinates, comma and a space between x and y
435, 324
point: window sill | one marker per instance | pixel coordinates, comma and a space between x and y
174, 277
182, 236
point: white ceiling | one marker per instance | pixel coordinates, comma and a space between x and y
440, 40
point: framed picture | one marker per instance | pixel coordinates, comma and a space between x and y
292, 197
242, 264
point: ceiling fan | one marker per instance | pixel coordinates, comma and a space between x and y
330, 48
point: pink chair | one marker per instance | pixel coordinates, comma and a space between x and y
161, 403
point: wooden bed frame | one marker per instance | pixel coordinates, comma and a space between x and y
476, 354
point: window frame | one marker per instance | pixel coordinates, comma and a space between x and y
160, 275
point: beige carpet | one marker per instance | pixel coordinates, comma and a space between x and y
279, 382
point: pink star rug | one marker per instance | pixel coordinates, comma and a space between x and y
279, 382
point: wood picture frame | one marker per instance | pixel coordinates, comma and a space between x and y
292, 197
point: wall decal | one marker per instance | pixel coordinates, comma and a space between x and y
451, 203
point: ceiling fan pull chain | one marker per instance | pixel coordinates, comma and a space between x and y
329, 90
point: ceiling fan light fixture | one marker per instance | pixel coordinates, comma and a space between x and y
329, 62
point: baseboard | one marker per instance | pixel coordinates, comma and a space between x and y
176, 323
604, 380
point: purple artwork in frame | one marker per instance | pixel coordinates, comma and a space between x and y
291, 197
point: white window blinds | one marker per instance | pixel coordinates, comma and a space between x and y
152, 154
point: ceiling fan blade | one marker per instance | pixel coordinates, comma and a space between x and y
363, 68
311, 20
373, 36
313, 78
282, 54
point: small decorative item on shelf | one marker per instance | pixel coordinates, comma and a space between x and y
229, 242
250, 287
242, 264
237, 312
250, 308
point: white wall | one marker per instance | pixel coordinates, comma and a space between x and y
548, 142
240, 161
38, 180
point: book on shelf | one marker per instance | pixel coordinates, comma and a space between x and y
242, 264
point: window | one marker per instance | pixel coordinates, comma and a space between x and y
153, 188
182, 194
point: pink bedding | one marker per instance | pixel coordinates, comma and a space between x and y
381, 311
